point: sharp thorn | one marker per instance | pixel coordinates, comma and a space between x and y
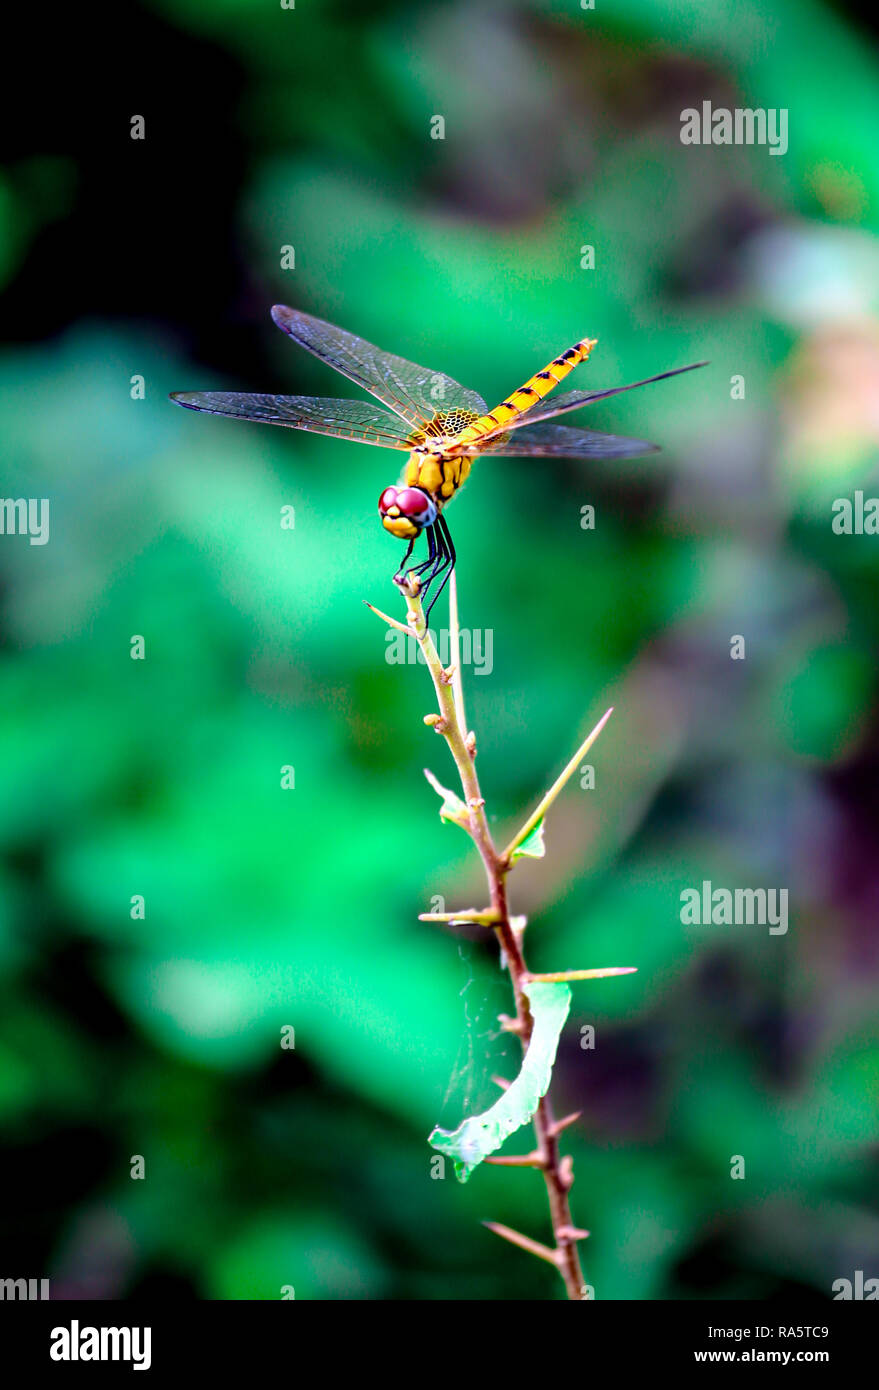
532, 1160
533, 1247
603, 973
569, 1233
511, 1025
478, 916
401, 627
564, 1123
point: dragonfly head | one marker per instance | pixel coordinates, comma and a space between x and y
405, 511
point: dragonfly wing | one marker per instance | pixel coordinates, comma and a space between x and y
358, 420
572, 400
559, 441
415, 393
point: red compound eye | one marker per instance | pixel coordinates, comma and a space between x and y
387, 499
399, 506
413, 502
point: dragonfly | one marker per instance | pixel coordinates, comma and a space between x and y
441, 425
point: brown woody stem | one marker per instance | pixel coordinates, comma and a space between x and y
557, 1172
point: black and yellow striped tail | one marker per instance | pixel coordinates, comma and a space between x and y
533, 391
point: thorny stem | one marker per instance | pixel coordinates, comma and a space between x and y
557, 1171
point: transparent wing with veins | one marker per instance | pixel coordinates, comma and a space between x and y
358, 420
414, 393
559, 441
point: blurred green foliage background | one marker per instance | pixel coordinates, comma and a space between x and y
160, 1037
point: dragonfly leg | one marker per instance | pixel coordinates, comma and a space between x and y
417, 570
431, 554
399, 575
435, 558
445, 561
439, 563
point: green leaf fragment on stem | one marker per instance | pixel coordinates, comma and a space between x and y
453, 807
480, 1135
533, 846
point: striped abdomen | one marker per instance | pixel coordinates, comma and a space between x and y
533, 391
